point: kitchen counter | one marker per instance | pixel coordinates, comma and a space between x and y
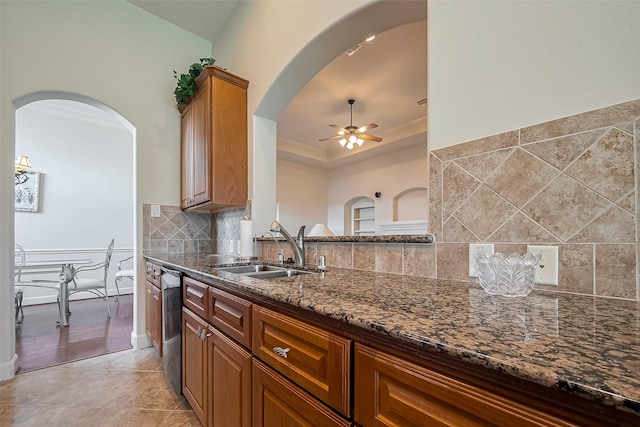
589, 346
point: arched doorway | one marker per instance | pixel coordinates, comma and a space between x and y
83, 152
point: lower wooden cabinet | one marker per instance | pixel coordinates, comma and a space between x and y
229, 382
279, 402
195, 367
390, 391
216, 374
153, 315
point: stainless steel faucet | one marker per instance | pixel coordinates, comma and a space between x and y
297, 245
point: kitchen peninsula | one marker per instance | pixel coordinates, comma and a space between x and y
552, 358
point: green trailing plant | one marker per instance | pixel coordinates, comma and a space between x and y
186, 86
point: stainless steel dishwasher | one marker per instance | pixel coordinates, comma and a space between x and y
172, 327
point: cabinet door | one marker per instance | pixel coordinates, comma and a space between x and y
195, 151
186, 150
148, 309
194, 364
229, 382
317, 360
393, 392
156, 319
200, 158
278, 402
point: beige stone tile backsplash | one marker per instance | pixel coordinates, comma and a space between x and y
175, 231
569, 182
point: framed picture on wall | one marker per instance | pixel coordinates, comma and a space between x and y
28, 193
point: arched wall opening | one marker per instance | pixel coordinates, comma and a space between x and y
375, 17
87, 173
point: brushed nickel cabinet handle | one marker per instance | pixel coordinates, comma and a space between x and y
282, 352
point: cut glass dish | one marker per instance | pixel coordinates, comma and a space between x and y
511, 276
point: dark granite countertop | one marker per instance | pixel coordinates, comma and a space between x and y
588, 345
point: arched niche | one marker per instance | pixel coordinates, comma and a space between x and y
411, 204
359, 216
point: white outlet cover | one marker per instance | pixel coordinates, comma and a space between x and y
547, 271
477, 248
155, 211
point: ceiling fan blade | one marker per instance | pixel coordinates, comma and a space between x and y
339, 128
369, 137
331, 137
367, 127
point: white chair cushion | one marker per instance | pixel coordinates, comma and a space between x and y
86, 284
124, 273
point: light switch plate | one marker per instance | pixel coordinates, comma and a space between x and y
547, 271
475, 248
155, 211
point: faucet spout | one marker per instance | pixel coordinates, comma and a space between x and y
297, 245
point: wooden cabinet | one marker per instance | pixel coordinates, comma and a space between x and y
214, 143
231, 315
216, 369
195, 296
317, 360
278, 402
153, 306
195, 367
229, 382
390, 391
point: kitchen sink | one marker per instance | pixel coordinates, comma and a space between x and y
262, 271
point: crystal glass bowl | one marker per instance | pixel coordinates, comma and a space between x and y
511, 276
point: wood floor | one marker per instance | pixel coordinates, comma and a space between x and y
41, 343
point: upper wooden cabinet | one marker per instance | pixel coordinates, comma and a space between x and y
214, 143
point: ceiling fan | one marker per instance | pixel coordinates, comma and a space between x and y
351, 134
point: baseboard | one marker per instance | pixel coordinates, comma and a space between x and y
8, 369
140, 341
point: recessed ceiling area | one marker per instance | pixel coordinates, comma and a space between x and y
387, 77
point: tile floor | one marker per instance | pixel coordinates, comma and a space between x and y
127, 388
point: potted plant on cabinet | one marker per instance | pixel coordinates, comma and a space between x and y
186, 86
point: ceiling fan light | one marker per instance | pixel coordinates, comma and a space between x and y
359, 141
343, 141
350, 145
341, 132
353, 139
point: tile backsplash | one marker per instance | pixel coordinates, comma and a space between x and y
570, 183
175, 231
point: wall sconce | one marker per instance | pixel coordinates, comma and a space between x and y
21, 166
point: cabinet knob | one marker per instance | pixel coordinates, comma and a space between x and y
282, 352
202, 333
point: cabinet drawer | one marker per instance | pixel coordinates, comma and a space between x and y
153, 273
230, 314
277, 401
317, 360
390, 391
195, 295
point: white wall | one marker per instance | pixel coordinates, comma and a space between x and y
86, 180
496, 66
302, 194
390, 174
118, 55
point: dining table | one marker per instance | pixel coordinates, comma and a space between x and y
65, 269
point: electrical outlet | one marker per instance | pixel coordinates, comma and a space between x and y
475, 248
155, 211
547, 271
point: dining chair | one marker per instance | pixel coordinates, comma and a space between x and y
95, 285
20, 283
18, 290
122, 274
